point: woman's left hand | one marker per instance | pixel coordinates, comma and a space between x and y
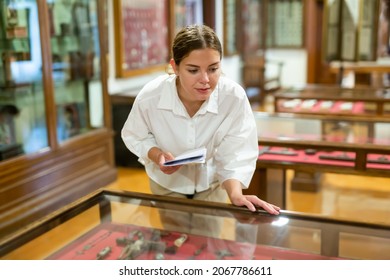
251, 201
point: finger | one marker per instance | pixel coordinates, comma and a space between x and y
257, 201
169, 169
277, 208
248, 204
270, 208
161, 160
168, 156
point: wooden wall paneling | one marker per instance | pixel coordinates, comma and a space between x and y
32, 189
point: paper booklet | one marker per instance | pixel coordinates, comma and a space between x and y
192, 156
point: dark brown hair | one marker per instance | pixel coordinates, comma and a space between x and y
194, 37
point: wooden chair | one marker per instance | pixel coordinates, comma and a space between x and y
257, 81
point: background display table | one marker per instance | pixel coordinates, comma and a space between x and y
313, 144
334, 100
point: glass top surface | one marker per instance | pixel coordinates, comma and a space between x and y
334, 92
348, 131
123, 225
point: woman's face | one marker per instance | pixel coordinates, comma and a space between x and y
198, 74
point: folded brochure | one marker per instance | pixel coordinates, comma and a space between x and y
192, 156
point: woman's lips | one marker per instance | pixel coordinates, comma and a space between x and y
203, 90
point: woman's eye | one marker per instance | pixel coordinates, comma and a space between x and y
193, 71
213, 69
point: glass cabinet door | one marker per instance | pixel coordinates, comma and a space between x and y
76, 73
22, 110
76, 66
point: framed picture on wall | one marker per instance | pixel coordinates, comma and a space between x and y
230, 27
141, 36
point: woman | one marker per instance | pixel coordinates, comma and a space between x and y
195, 107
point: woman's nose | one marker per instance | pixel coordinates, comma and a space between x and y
205, 77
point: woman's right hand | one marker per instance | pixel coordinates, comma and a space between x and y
159, 157
162, 158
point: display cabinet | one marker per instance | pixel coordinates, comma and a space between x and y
314, 143
122, 225
350, 30
333, 100
55, 122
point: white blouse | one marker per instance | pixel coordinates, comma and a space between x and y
224, 124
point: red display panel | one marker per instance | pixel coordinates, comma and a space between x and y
142, 243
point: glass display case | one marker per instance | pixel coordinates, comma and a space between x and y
23, 127
75, 71
55, 122
113, 225
350, 30
334, 100
314, 143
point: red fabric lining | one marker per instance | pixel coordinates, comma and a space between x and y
302, 157
90, 244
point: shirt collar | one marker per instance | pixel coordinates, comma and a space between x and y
169, 100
